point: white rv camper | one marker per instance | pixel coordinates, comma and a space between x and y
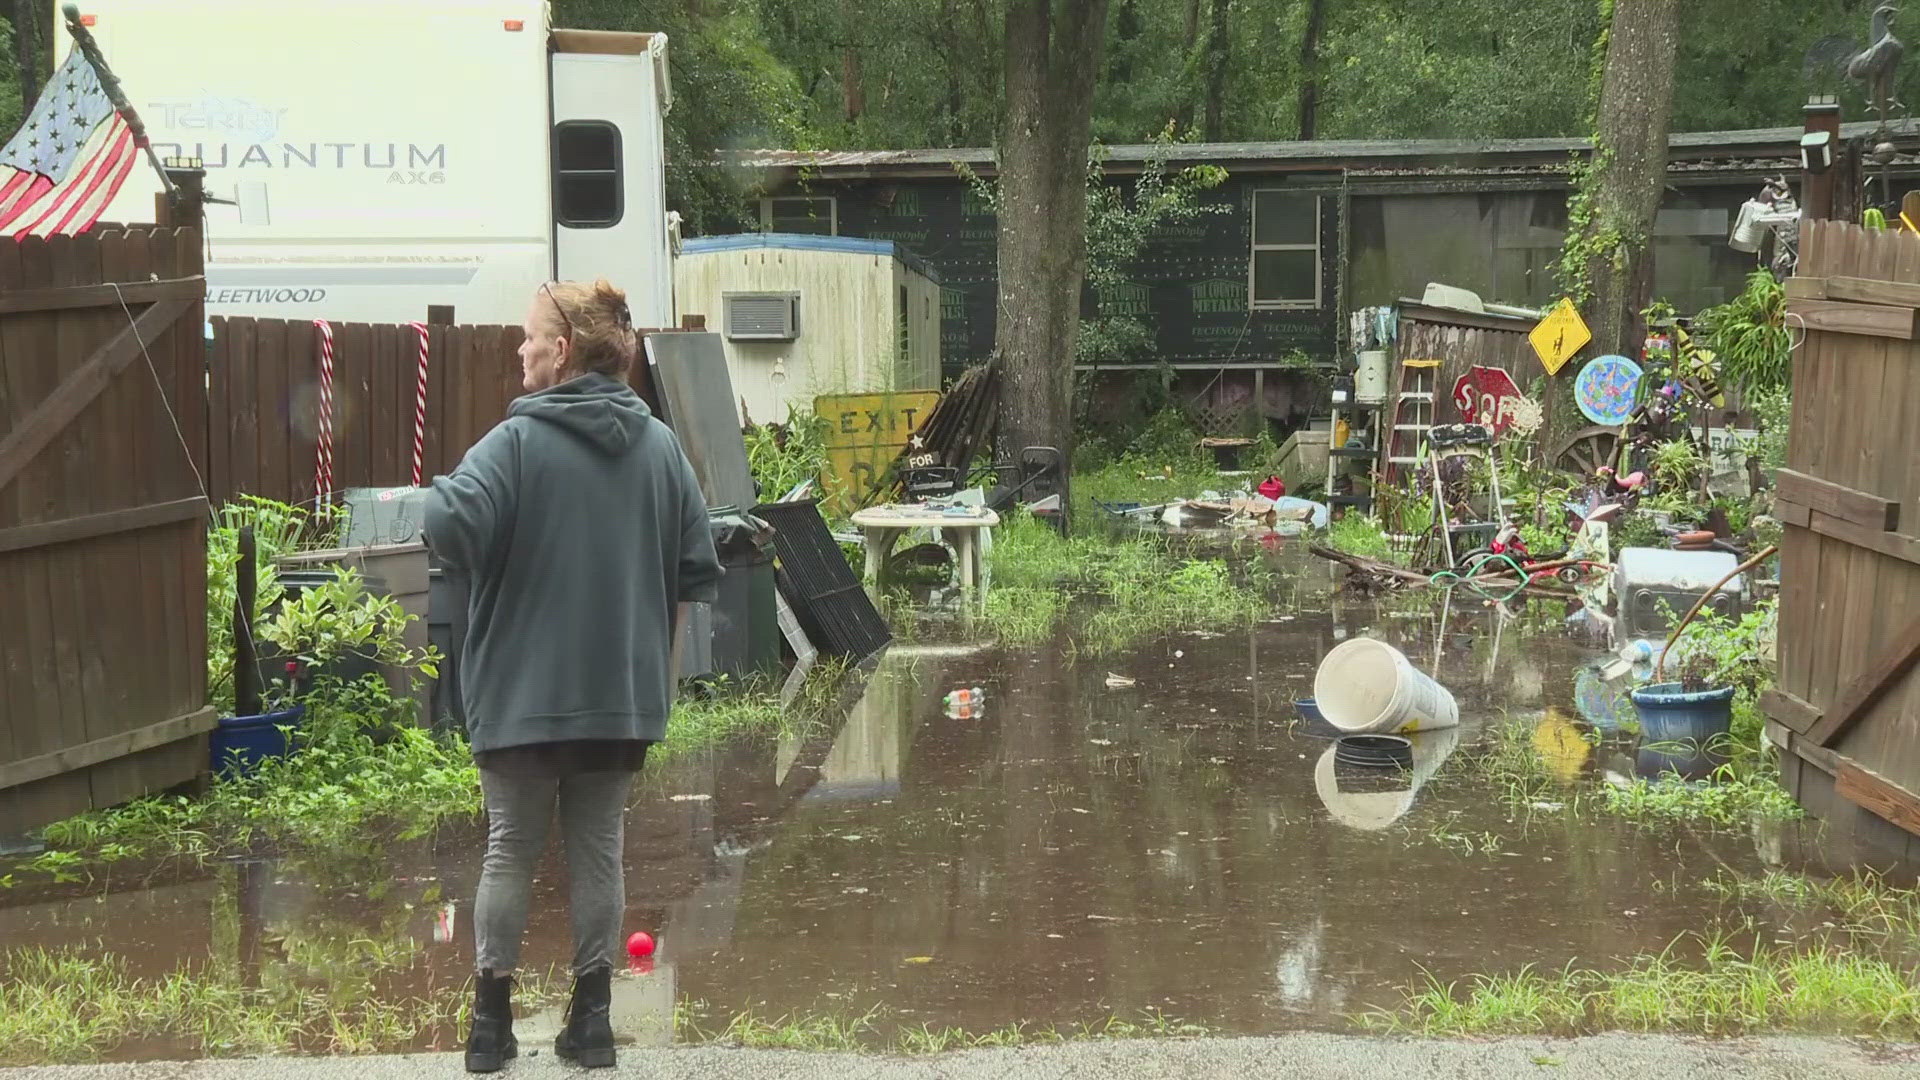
379, 157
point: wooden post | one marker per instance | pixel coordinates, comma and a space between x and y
246, 665
184, 206
439, 314
1817, 189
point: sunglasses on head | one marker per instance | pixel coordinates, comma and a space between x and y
555, 301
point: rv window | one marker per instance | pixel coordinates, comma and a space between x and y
586, 174
1285, 271
806, 214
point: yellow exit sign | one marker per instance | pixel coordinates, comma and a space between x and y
865, 434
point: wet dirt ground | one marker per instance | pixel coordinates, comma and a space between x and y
1067, 852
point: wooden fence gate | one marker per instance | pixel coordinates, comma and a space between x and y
1846, 710
103, 693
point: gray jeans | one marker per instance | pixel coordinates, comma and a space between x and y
592, 824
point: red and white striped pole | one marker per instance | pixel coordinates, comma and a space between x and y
420, 404
323, 452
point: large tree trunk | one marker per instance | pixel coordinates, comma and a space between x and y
26, 47
1310, 69
1217, 45
1636, 107
1053, 56
1183, 113
853, 94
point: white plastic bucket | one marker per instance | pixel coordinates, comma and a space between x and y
1377, 808
1365, 685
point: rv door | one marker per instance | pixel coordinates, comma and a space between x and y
610, 97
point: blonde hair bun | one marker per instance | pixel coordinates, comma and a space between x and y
599, 324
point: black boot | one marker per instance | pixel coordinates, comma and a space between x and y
490, 1042
587, 1040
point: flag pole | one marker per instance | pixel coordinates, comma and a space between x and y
83, 40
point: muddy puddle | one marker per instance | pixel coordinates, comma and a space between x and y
1070, 851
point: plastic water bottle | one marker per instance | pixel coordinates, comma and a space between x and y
966, 698
1639, 651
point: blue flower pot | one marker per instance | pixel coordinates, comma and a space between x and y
1669, 714
1312, 721
240, 743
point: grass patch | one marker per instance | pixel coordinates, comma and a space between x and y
1523, 760
1359, 534
1863, 903
1730, 797
367, 775
1816, 989
66, 1006
880, 1030
1134, 585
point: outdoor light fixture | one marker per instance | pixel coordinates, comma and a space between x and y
1816, 151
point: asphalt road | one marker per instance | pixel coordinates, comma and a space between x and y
1293, 1057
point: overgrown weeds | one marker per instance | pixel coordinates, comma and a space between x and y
781, 456
66, 1006
880, 1030
1820, 987
1524, 761
363, 771
1134, 586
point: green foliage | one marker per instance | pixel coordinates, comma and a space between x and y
1830, 989
1677, 464
1121, 220
1736, 653
880, 1029
1774, 408
1731, 798
278, 529
1170, 438
1359, 534
1750, 337
1635, 528
78, 1005
1134, 585
783, 455
1542, 539
342, 618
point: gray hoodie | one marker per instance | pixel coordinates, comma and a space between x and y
580, 523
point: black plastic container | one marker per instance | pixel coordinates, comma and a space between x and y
1374, 751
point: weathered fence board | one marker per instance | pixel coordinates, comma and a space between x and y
264, 380
102, 521
1848, 707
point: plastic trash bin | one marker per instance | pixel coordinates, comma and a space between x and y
746, 621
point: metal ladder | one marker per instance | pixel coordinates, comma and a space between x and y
1412, 413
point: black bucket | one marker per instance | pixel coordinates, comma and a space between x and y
1374, 751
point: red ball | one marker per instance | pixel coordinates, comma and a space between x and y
640, 944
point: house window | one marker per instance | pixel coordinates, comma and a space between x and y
814, 215
587, 192
1286, 268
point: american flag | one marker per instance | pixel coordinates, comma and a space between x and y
68, 160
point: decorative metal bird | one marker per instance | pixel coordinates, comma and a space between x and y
1876, 68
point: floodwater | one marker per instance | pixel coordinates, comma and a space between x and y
1066, 853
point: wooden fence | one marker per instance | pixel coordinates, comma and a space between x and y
102, 521
263, 385
1847, 708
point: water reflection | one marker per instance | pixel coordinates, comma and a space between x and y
1071, 851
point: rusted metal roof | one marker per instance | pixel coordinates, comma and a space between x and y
1739, 150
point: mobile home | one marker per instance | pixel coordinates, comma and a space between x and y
802, 316
370, 159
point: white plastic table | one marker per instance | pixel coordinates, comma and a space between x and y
882, 527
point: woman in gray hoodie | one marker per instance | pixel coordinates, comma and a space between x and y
582, 528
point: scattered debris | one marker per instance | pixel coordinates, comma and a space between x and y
1119, 682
